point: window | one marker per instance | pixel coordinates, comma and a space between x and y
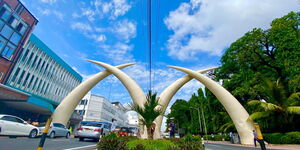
83, 102
21, 77
15, 75
2, 42
34, 61
82, 112
46, 89
6, 31
29, 84
29, 59
22, 28
15, 38
25, 55
36, 80
5, 12
24, 83
8, 51
13, 20
1, 23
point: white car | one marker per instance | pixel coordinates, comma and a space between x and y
55, 130
15, 126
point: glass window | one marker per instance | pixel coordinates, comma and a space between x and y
29, 59
8, 51
13, 21
2, 42
15, 38
24, 83
36, 80
21, 77
15, 75
25, 55
5, 12
34, 61
1, 23
6, 31
23, 29
29, 84
46, 89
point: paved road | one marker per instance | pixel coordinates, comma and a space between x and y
24, 143
209, 146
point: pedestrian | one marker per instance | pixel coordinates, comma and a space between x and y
231, 137
113, 126
35, 123
255, 137
172, 129
28, 121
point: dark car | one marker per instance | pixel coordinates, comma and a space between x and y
124, 131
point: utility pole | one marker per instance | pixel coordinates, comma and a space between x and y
204, 122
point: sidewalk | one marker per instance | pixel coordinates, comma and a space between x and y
269, 146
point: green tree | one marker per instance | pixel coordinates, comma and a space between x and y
149, 112
273, 52
277, 104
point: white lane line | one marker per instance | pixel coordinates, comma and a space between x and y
76, 148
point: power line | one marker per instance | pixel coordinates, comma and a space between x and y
149, 42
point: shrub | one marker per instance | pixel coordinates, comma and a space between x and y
190, 142
283, 138
217, 137
162, 144
112, 142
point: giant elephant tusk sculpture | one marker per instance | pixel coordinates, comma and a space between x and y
65, 109
136, 93
166, 96
235, 110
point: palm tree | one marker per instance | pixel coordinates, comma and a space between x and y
277, 103
149, 112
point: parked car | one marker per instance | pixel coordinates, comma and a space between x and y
133, 131
177, 135
124, 131
55, 130
167, 135
15, 126
92, 130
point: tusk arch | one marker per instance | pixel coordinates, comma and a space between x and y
166, 96
67, 106
236, 111
136, 93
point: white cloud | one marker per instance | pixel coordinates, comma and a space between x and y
209, 26
48, 1
47, 12
125, 30
105, 9
118, 53
81, 26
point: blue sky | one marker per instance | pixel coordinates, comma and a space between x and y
188, 33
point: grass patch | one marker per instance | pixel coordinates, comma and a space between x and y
162, 144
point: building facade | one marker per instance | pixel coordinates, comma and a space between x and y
16, 25
43, 76
97, 108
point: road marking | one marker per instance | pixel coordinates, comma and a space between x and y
77, 148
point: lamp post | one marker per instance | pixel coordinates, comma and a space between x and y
198, 118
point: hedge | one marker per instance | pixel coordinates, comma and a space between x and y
217, 137
282, 138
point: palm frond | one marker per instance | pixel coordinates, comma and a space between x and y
294, 99
259, 115
293, 110
226, 126
265, 106
149, 112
